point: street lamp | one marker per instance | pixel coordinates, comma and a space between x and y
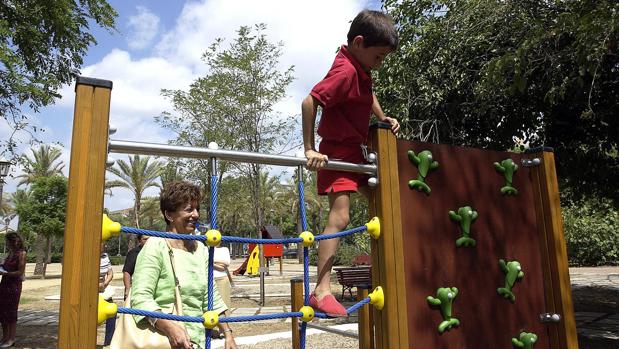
4, 171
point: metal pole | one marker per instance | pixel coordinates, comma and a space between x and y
142, 148
6, 227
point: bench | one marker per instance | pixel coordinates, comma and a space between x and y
350, 277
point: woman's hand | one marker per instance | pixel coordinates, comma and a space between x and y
229, 341
177, 335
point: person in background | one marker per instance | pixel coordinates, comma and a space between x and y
221, 275
129, 266
12, 272
106, 274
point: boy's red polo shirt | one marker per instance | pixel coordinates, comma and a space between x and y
345, 95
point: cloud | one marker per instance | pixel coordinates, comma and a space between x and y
310, 34
143, 27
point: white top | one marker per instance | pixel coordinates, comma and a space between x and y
222, 255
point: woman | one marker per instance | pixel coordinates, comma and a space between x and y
153, 280
12, 273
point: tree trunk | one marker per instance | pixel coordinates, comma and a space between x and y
49, 250
41, 256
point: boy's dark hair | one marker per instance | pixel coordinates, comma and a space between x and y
177, 194
377, 29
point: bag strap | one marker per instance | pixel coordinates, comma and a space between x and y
178, 301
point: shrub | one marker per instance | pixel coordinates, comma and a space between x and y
345, 254
117, 260
591, 232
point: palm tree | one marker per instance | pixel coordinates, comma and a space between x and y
44, 163
137, 175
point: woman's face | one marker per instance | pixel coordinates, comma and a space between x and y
184, 219
10, 244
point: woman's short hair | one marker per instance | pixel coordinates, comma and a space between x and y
176, 194
16, 239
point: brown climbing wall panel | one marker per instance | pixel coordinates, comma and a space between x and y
506, 228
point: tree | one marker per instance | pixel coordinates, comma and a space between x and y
494, 74
44, 163
43, 213
42, 45
137, 175
233, 105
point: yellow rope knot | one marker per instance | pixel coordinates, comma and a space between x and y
308, 238
213, 238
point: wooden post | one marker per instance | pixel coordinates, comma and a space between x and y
82, 237
553, 249
296, 302
363, 316
387, 253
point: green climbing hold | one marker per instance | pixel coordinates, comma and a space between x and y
424, 163
465, 216
507, 167
445, 297
513, 272
526, 340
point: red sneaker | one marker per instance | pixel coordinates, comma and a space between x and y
328, 305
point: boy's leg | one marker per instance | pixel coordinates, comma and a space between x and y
339, 204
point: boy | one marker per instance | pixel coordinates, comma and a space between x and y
346, 98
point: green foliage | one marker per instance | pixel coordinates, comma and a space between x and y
42, 45
43, 212
592, 232
44, 163
492, 74
137, 175
345, 254
233, 105
117, 260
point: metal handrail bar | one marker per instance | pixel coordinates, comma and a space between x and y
143, 148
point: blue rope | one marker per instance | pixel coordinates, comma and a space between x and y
162, 234
211, 255
214, 192
261, 317
131, 311
302, 334
359, 304
208, 338
341, 233
306, 280
259, 241
302, 205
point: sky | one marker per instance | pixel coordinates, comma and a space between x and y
158, 44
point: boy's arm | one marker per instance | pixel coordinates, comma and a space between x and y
378, 111
315, 160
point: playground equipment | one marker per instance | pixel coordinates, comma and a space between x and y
518, 219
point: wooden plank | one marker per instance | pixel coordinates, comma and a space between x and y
79, 289
398, 251
296, 302
557, 251
545, 255
391, 324
363, 314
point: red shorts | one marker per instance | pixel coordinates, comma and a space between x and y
330, 181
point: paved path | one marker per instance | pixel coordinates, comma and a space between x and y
592, 326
